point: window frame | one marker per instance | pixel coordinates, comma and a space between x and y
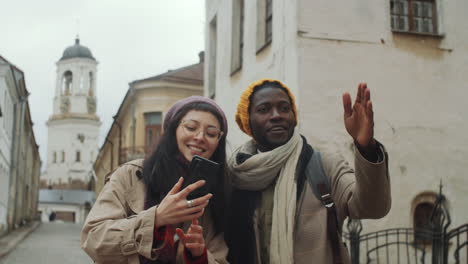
410, 17
237, 49
263, 39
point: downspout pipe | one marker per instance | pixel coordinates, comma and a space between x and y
112, 153
119, 159
133, 128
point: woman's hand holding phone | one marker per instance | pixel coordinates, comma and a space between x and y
175, 208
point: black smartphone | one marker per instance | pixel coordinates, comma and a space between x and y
202, 169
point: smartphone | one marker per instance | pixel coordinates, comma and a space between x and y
202, 169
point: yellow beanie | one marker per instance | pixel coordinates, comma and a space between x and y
242, 113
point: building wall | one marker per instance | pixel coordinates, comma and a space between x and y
19, 191
417, 92
79, 211
322, 49
7, 95
279, 60
70, 136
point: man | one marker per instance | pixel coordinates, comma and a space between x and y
276, 217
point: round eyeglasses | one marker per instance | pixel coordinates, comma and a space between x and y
193, 128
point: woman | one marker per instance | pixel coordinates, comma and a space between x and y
143, 214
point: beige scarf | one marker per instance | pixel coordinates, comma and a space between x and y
257, 173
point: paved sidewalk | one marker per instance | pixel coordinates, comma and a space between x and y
50, 243
11, 240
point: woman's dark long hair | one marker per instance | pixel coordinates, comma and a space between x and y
160, 176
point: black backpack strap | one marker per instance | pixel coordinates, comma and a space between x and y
321, 187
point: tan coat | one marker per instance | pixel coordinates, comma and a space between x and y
360, 193
118, 230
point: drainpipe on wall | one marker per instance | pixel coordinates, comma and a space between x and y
132, 103
112, 154
120, 140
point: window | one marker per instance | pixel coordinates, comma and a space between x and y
422, 218
91, 82
269, 21
54, 157
67, 83
63, 156
422, 207
212, 59
237, 46
78, 156
415, 16
153, 123
264, 23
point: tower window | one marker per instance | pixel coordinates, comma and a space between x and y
91, 81
78, 156
63, 156
67, 83
54, 157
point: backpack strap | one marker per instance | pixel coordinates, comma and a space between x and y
321, 187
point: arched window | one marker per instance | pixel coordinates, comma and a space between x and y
54, 157
67, 83
422, 207
78, 156
422, 222
63, 156
91, 81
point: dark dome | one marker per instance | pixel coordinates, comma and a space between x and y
77, 51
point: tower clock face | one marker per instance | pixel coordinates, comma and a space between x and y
91, 102
65, 105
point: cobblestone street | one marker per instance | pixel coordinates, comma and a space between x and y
51, 243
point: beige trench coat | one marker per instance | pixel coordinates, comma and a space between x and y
360, 193
118, 230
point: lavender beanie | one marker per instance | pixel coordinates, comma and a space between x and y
177, 106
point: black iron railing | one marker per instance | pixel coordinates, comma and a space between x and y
433, 245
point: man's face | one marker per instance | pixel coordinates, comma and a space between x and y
272, 120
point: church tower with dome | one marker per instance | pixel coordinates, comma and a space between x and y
73, 127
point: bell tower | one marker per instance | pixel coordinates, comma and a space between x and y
73, 127
75, 87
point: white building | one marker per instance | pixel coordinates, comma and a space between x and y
413, 55
65, 205
20, 162
73, 127
7, 93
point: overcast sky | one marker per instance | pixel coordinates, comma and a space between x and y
130, 39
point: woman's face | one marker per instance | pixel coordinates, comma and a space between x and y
198, 134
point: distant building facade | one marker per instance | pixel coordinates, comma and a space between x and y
413, 56
65, 205
20, 162
137, 125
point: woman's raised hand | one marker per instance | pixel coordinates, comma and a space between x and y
193, 240
175, 208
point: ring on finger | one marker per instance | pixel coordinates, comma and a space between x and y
190, 203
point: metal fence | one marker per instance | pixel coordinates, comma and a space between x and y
435, 245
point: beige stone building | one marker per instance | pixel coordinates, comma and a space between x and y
20, 162
138, 122
412, 54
